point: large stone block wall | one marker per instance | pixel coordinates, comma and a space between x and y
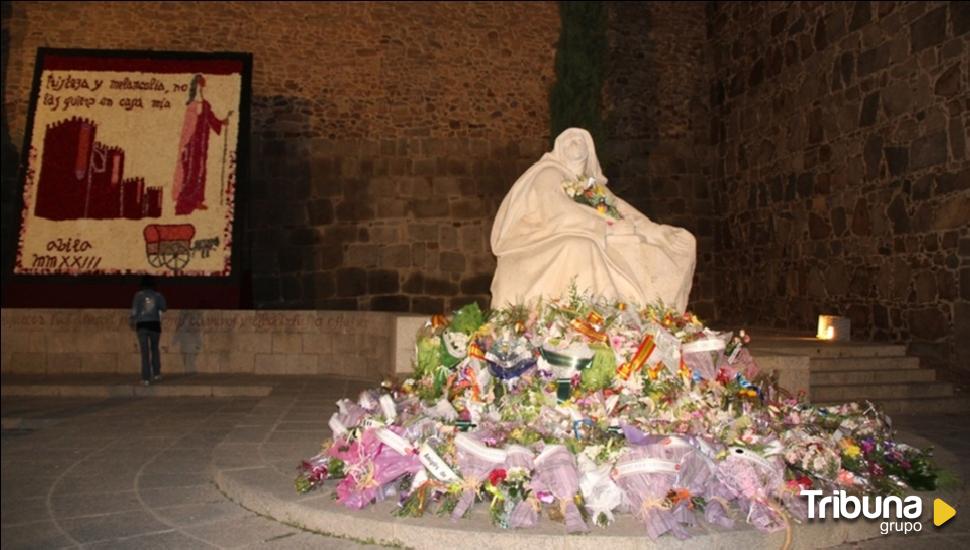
657, 109
842, 168
817, 150
385, 135
357, 344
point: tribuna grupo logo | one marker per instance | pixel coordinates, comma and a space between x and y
898, 515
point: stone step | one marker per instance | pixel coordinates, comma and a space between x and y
923, 405
877, 392
870, 376
813, 348
863, 363
104, 391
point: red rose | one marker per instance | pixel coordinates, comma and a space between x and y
497, 476
722, 376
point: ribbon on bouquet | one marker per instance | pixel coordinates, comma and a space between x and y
475, 352
639, 358
578, 361
507, 370
647, 466
586, 327
475, 460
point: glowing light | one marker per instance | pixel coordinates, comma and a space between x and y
833, 327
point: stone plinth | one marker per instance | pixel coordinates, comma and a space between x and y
356, 344
405, 329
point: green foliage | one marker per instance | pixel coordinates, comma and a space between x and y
447, 359
576, 97
303, 484
600, 374
440, 377
921, 475
947, 480
335, 468
428, 356
467, 319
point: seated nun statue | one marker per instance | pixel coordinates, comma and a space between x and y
560, 224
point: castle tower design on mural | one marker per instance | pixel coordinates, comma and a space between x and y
84, 178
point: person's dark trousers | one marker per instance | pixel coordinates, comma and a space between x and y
149, 339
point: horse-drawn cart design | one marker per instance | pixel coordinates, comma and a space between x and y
169, 245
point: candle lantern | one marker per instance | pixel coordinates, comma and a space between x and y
833, 327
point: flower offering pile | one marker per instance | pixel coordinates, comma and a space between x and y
581, 408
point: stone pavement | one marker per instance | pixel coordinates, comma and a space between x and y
139, 472
135, 473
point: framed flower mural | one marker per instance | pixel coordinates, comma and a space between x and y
131, 160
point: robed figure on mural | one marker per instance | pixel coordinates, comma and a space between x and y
188, 186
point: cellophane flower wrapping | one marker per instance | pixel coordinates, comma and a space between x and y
647, 474
601, 494
476, 462
632, 418
555, 471
370, 466
521, 461
755, 482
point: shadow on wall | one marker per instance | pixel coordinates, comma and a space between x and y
629, 87
9, 177
290, 203
187, 339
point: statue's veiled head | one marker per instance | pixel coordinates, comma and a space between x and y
575, 149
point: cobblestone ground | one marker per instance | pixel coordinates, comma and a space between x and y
128, 473
136, 473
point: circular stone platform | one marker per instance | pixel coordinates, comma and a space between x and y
259, 490
268, 491
256, 465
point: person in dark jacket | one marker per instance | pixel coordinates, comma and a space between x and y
146, 316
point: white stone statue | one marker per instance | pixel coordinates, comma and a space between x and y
545, 239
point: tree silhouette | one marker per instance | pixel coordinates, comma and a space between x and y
576, 98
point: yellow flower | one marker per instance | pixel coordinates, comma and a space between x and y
850, 449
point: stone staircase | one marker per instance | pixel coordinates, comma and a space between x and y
855, 371
896, 382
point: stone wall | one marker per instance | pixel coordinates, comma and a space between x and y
357, 344
843, 170
384, 135
818, 151
658, 114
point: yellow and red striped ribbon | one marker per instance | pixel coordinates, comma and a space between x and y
639, 358
476, 352
585, 327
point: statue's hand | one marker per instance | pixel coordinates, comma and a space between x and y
621, 227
